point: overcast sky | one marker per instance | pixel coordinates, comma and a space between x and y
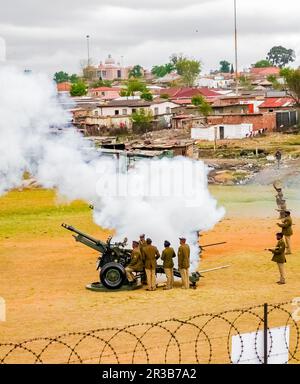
51, 35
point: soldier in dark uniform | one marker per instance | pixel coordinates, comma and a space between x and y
136, 264
167, 256
279, 257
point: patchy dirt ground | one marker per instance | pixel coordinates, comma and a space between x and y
44, 272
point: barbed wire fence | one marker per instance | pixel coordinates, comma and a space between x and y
201, 339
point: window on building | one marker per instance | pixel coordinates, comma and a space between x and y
168, 110
133, 110
96, 113
103, 93
124, 111
117, 112
119, 74
103, 73
156, 111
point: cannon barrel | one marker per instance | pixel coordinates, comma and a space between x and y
88, 240
212, 245
72, 229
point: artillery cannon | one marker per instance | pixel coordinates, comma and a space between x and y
113, 259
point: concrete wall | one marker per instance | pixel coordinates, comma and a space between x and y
230, 132
258, 120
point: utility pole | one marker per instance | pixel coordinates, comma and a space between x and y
88, 49
236, 49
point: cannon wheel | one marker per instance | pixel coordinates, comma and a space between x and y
112, 275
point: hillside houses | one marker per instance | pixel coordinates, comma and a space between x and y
103, 111
116, 114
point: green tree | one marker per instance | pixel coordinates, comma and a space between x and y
188, 70
224, 66
262, 64
74, 78
132, 86
280, 56
291, 83
162, 70
78, 89
175, 57
142, 120
147, 95
136, 72
61, 77
203, 106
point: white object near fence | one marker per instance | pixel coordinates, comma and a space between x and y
248, 348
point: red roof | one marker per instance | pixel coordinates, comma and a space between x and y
105, 89
265, 71
64, 87
277, 102
180, 93
182, 101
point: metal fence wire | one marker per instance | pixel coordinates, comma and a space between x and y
201, 339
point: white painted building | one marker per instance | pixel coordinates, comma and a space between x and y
214, 82
123, 107
221, 132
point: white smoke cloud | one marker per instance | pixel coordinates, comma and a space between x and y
164, 199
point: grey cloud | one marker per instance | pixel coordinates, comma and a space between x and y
37, 32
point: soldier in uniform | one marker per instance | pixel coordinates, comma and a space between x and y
287, 230
184, 262
279, 257
281, 203
142, 245
167, 256
136, 264
150, 254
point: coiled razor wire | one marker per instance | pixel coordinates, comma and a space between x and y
180, 341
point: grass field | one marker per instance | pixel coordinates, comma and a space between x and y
44, 272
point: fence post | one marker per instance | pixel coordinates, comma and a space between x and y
265, 333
